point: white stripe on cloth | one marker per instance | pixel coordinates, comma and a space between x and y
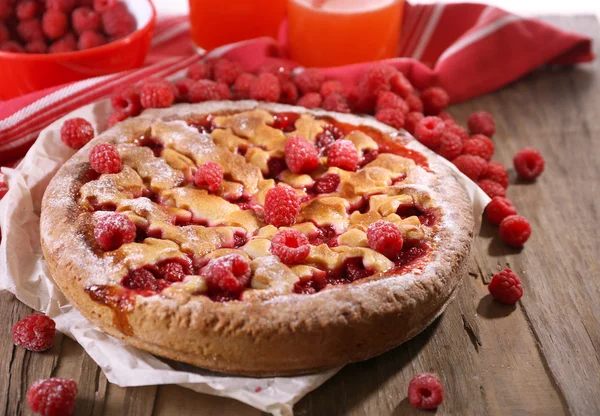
429, 29
478, 35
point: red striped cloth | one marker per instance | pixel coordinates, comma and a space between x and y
469, 49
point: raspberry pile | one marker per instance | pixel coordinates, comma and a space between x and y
58, 26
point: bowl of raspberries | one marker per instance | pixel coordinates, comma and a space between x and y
44, 43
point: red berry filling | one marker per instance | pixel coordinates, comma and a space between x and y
327, 184
425, 391
291, 246
34, 333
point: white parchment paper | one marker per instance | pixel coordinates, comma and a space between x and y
23, 272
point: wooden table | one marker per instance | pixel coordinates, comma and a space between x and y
541, 357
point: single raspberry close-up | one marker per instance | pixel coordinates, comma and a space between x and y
76, 132
209, 176
529, 163
491, 188
157, 94
52, 397
343, 154
506, 287
112, 230
498, 209
393, 117
34, 332
105, 158
291, 246
481, 122
301, 156
426, 391
472, 166
385, 237
266, 88
230, 273
515, 230
435, 100
429, 131
496, 172
479, 145
282, 206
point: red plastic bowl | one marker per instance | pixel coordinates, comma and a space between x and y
24, 73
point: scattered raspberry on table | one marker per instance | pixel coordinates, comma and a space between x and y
426, 391
506, 287
34, 332
52, 397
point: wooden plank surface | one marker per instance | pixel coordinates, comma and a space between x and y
541, 357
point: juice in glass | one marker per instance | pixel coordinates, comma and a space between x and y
339, 32
216, 23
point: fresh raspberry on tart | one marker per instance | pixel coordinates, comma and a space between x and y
227, 229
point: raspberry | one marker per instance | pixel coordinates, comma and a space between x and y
447, 117
326, 138
34, 333
414, 103
309, 80
472, 166
52, 397
450, 145
412, 119
142, 279
376, 80
281, 69
481, 122
506, 287
204, 90
55, 24
458, 130
289, 93
435, 100
117, 117
392, 117
11, 46
112, 230
498, 209
36, 46
301, 156
172, 271
327, 184
388, 99
429, 131
30, 30
76, 133
103, 5
84, 19
491, 188
224, 91
5, 10
63, 5
385, 238
157, 94
335, 102
529, 163
266, 88
291, 246
65, 44
242, 86
183, 86
27, 9
401, 85
515, 230
90, 39
118, 21
497, 173
226, 71
209, 176
310, 100
331, 86
104, 158
479, 145
229, 273
199, 70
425, 391
282, 205
343, 154
127, 100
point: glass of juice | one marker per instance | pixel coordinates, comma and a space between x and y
216, 23
338, 32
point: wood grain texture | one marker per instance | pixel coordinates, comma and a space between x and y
541, 357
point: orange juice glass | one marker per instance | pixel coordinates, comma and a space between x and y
216, 23
339, 32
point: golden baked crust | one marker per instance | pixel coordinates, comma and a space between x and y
271, 331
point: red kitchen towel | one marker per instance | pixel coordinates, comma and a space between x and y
468, 49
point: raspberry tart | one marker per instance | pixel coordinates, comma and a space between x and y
257, 239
